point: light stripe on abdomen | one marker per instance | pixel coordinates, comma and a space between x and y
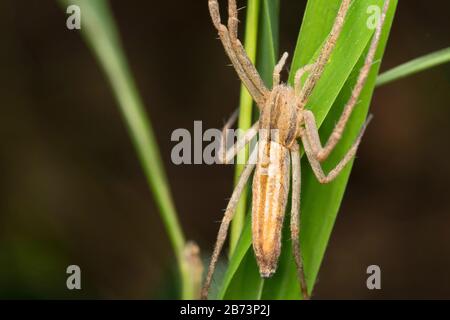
270, 193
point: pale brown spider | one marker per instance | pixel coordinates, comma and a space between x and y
283, 120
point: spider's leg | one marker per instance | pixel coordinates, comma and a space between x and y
225, 156
315, 163
295, 218
325, 53
240, 52
278, 68
362, 77
236, 52
298, 77
312, 133
228, 216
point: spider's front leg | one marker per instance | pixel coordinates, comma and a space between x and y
236, 52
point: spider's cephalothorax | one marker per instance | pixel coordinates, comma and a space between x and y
282, 122
282, 116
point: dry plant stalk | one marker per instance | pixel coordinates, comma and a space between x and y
283, 120
191, 255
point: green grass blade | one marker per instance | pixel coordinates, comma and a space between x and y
268, 54
102, 36
320, 203
245, 119
414, 66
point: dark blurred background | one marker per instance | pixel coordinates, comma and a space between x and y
72, 191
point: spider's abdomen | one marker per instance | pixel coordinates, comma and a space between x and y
270, 194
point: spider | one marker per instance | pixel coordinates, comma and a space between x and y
283, 119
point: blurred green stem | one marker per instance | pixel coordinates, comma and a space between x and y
245, 118
102, 36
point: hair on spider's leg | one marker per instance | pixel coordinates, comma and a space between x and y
315, 163
254, 91
325, 53
228, 216
233, 20
361, 81
295, 218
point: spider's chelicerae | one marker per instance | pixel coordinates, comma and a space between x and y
283, 120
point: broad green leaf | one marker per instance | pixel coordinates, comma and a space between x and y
411, 67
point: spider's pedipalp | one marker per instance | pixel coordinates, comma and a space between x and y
278, 68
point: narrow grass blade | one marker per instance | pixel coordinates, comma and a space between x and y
245, 118
102, 36
414, 66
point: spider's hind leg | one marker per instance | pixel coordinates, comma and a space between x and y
295, 219
228, 216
